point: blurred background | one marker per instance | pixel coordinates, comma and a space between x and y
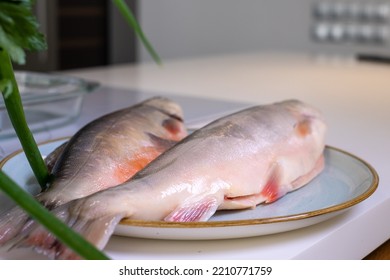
92, 33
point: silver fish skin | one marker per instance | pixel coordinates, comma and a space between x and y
239, 161
111, 149
106, 152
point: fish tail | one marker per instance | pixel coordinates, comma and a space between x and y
12, 222
96, 230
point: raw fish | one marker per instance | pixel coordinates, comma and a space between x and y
105, 153
239, 161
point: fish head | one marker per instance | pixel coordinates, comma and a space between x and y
172, 116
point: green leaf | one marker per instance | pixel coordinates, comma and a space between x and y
6, 88
19, 29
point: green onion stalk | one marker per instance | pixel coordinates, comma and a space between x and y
13, 103
19, 32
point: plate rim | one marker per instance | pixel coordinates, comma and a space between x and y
244, 222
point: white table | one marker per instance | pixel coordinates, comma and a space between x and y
355, 98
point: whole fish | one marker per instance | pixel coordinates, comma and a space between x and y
256, 155
104, 153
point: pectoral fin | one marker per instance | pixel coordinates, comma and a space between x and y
200, 210
161, 144
52, 158
272, 189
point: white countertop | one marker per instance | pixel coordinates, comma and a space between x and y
355, 99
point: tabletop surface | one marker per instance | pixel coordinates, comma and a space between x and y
353, 96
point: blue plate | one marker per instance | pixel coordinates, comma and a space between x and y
346, 181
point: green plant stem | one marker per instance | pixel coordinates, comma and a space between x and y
131, 20
13, 103
67, 236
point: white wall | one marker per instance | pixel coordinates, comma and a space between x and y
187, 28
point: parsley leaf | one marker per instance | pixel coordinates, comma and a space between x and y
19, 29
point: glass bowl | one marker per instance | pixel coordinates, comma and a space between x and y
49, 100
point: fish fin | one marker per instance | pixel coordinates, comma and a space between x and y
161, 143
52, 158
241, 202
303, 127
272, 190
97, 231
12, 223
200, 210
